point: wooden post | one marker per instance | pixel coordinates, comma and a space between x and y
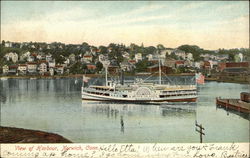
200, 130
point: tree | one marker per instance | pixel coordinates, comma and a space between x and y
99, 66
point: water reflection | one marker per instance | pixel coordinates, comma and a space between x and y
233, 112
55, 105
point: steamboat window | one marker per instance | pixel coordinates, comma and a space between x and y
125, 96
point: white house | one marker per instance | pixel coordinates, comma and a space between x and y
42, 68
59, 69
51, 71
8, 44
189, 56
25, 56
180, 53
5, 69
11, 56
31, 67
150, 57
138, 56
125, 55
197, 65
31, 58
52, 63
22, 68
72, 57
48, 57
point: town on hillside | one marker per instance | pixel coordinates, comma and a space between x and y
43, 59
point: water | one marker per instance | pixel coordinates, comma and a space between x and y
55, 105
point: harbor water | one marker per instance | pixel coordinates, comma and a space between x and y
55, 105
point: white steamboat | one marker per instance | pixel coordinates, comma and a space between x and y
140, 92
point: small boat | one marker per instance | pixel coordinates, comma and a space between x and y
139, 92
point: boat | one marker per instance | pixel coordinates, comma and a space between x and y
139, 91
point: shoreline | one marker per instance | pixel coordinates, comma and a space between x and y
216, 79
21, 135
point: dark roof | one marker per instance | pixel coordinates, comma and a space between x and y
236, 70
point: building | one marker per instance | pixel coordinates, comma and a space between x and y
87, 58
13, 69
169, 62
5, 69
179, 63
59, 69
8, 44
42, 67
223, 65
11, 56
72, 57
91, 67
52, 63
189, 56
180, 53
113, 69
51, 71
164, 69
22, 69
32, 67
138, 57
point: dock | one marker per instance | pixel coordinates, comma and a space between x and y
234, 104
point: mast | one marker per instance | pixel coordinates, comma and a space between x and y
106, 75
159, 69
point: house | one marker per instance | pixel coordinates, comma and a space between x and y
222, 57
91, 67
113, 69
189, 56
126, 55
222, 66
179, 63
169, 62
150, 57
72, 57
87, 58
8, 44
164, 69
133, 62
59, 69
51, 71
180, 53
48, 57
5, 69
31, 58
32, 67
13, 69
52, 63
25, 56
138, 57
22, 68
42, 67
197, 65
11, 56
206, 65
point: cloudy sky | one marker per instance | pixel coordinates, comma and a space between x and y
208, 24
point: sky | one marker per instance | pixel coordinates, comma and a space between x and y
207, 24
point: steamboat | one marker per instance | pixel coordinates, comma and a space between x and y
139, 91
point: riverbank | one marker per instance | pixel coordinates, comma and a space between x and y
20, 135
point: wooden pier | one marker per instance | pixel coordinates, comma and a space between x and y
234, 104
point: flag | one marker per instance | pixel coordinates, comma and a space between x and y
200, 79
85, 79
